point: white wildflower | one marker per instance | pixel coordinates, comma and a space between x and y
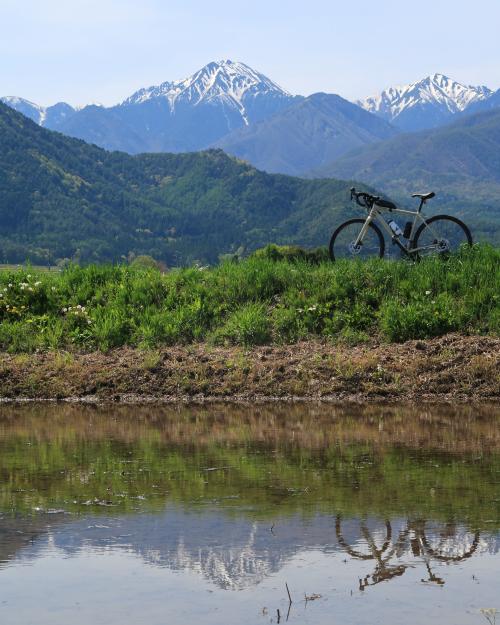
65, 310
427, 292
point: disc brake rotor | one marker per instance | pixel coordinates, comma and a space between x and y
353, 248
443, 245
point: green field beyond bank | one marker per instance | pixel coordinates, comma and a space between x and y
265, 299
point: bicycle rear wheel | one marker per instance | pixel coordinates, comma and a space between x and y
442, 235
342, 243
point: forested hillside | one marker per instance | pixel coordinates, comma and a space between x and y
62, 198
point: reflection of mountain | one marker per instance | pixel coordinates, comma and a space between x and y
233, 553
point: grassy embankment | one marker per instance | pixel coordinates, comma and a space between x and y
259, 301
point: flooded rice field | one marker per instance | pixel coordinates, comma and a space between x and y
266, 514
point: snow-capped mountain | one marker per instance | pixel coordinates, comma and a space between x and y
50, 116
427, 103
231, 84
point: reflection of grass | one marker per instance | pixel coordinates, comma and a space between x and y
318, 462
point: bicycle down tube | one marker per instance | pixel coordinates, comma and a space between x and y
375, 214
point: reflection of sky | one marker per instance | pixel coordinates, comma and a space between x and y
118, 587
174, 567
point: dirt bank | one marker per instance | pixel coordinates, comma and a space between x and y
448, 368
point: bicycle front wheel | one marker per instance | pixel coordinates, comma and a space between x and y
442, 235
343, 241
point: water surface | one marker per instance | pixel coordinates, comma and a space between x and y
370, 514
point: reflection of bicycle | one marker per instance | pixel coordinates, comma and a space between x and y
415, 535
363, 238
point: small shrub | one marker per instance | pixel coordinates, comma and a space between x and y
292, 253
421, 319
147, 262
287, 325
247, 326
110, 329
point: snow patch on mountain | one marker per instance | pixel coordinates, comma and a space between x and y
34, 111
47, 116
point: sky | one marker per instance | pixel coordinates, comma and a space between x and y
82, 51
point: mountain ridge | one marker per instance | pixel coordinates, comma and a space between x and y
309, 133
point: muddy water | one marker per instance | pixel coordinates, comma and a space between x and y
130, 515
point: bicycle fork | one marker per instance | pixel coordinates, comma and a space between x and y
359, 240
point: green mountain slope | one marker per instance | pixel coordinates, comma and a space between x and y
311, 132
63, 198
460, 162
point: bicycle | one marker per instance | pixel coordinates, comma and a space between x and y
421, 236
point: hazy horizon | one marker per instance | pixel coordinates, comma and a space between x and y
88, 51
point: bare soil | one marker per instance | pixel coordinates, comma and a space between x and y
449, 368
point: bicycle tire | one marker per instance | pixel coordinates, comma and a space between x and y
442, 218
373, 226
357, 554
434, 553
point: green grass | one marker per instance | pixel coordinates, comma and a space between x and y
264, 299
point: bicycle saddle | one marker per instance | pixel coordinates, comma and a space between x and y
424, 196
